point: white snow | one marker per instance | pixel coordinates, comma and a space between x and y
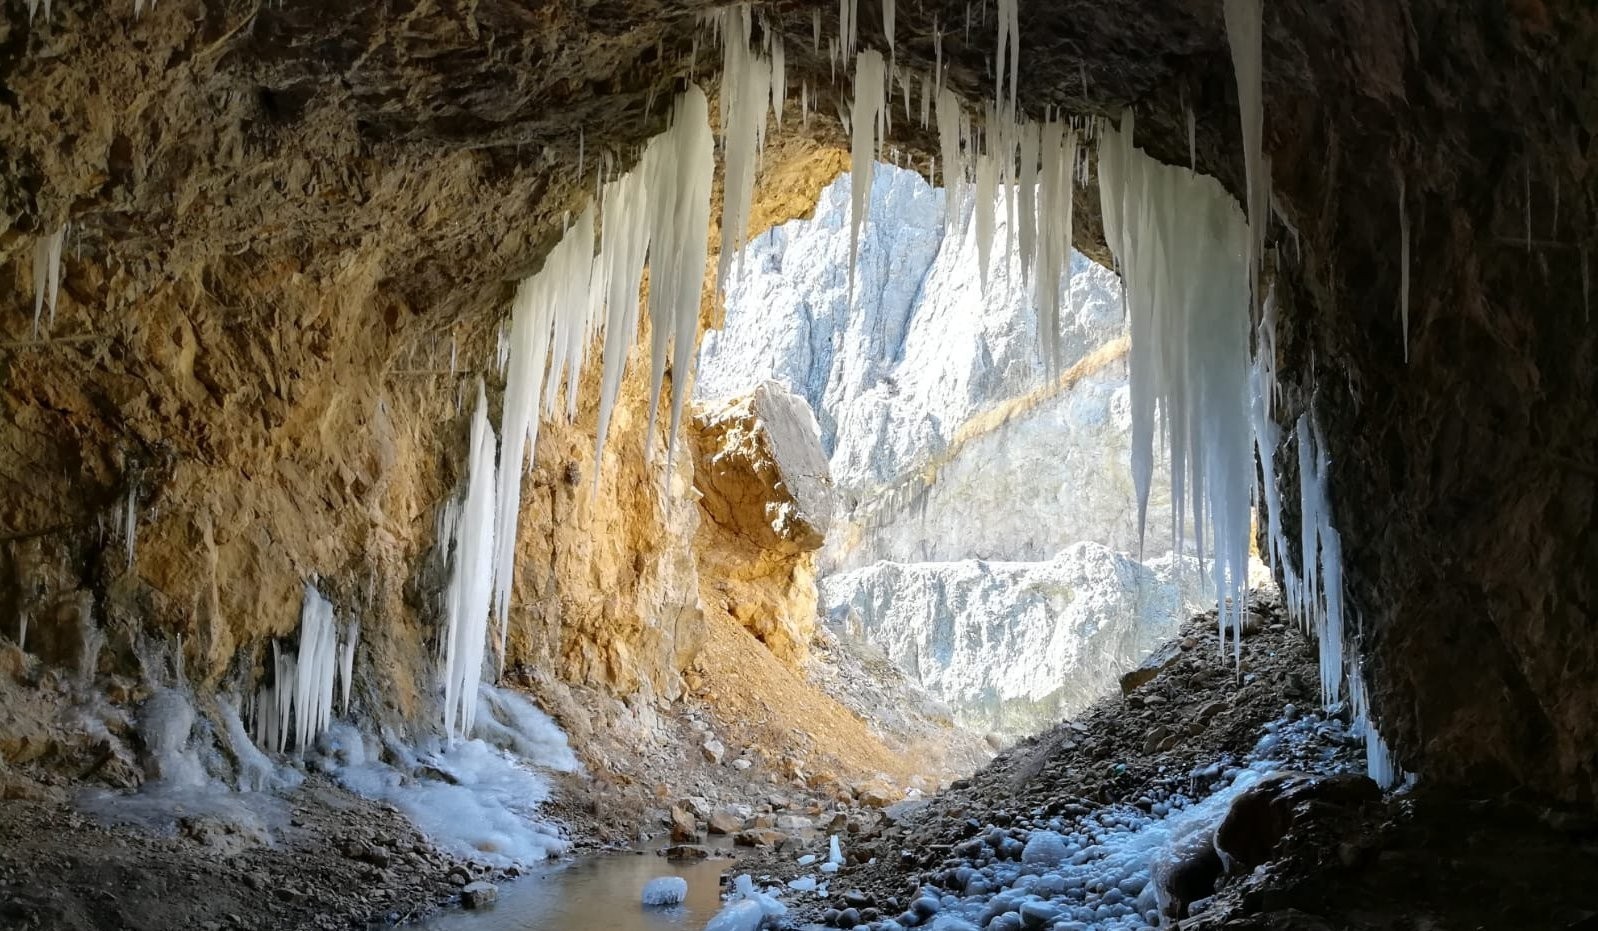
665, 890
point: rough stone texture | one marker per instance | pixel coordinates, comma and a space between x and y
767, 499
1015, 646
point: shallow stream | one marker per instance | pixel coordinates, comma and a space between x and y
601, 892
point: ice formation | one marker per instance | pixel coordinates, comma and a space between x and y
1051, 277
1182, 246
46, 257
747, 85
468, 594
130, 523
1314, 593
299, 700
317, 668
866, 130
659, 210
1244, 35
747, 908
1008, 50
665, 890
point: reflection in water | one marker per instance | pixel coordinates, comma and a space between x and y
598, 893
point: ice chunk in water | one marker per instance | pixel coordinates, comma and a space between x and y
665, 890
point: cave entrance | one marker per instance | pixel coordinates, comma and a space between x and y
985, 532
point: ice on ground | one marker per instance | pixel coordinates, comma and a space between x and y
665, 890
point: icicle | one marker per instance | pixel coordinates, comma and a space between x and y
745, 90
937, 56
815, 30
983, 208
1026, 197
469, 594
949, 118
1182, 245
1051, 277
316, 669
1192, 140
848, 27
1403, 262
887, 22
47, 269
866, 124
1008, 50
926, 103
1244, 36
130, 523
677, 254
779, 77
346, 664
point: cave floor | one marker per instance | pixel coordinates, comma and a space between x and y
1419, 860
339, 861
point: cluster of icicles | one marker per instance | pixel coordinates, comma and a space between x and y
299, 701
1189, 258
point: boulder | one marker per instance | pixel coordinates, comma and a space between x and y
479, 895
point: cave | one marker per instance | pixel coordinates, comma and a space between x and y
274, 365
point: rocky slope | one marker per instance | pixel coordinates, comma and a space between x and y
1014, 646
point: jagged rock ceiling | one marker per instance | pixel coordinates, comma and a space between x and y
280, 199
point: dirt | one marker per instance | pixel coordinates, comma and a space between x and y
339, 862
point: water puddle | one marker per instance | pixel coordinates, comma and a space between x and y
597, 893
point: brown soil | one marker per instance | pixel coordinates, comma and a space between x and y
341, 862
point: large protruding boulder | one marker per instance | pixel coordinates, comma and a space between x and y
766, 494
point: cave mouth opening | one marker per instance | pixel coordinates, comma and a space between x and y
985, 534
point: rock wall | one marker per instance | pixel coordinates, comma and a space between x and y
767, 501
1013, 647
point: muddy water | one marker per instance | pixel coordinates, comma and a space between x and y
596, 893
